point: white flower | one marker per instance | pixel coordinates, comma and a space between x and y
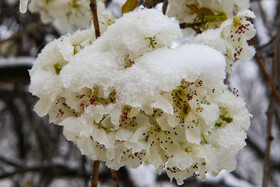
182, 10
231, 38
68, 15
225, 26
45, 77
128, 98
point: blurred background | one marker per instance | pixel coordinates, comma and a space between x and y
35, 153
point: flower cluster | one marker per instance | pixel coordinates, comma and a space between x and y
133, 99
67, 15
231, 38
184, 10
226, 25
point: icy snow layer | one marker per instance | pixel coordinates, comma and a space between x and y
128, 98
68, 15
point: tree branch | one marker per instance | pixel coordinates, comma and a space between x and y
95, 172
266, 75
23, 32
57, 170
93, 8
271, 114
268, 142
164, 6
83, 169
10, 162
114, 176
151, 3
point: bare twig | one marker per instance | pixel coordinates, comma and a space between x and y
266, 44
23, 32
125, 178
164, 6
148, 3
268, 143
277, 115
84, 170
95, 172
270, 114
57, 170
114, 176
18, 128
260, 153
93, 8
266, 75
184, 25
151, 3
10, 162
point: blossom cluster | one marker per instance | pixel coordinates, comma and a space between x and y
133, 99
67, 15
184, 11
130, 97
226, 25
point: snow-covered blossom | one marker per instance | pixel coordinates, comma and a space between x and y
68, 15
46, 83
222, 24
184, 10
128, 98
231, 38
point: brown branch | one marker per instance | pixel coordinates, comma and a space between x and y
95, 172
18, 73
268, 143
148, 3
270, 113
23, 32
184, 25
266, 75
125, 178
255, 147
93, 8
164, 6
151, 3
18, 127
83, 170
277, 115
10, 162
114, 176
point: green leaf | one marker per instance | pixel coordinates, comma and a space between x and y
152, 42
218, 124
194, 8
205, 18
129, 5
204, 138
75, 50
57, 68
205, 12
226, 119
